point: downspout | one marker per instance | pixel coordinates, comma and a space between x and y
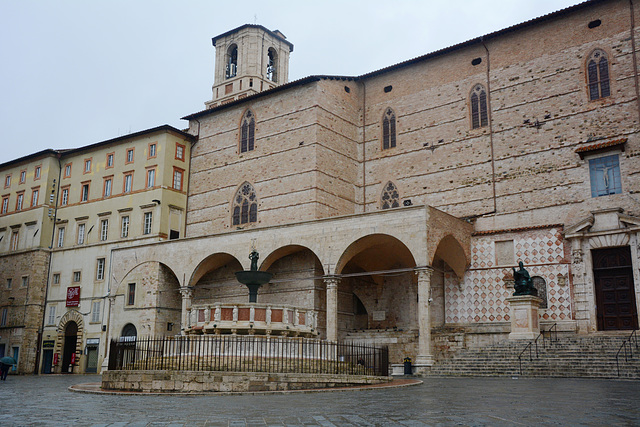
364, 147
493, 162
46, 285
188, 180
634, 56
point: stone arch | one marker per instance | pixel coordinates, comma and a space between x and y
282, 252
75, 317
211, 262
156, 298
377, 278
451, 251
385, 242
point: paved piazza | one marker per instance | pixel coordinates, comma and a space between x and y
45, 400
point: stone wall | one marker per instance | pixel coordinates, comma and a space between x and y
201, 382
24, 304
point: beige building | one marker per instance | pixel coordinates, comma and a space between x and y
111, 194
26, 224
391, 207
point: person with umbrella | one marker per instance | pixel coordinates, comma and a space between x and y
6, 363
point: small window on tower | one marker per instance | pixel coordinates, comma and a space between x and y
232, 61
272, 65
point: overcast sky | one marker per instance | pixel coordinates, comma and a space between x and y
76, 72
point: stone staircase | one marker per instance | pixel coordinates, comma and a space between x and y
592, 356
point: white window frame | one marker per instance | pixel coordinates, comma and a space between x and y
100, 264
65, 197
147, 223
81, 233
124, 228
60, 237
51, 318
95, 312
104, 230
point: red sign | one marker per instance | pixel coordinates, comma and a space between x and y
55, 358
73, 358
73, 296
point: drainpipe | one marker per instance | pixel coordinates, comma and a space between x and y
634, 55
46, 285
364, 147
493, 163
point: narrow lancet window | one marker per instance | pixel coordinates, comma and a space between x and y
247, 132
598, 75
388, 129
479, 115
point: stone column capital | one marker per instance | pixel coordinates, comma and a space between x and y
423, 273
331, 281
186, 291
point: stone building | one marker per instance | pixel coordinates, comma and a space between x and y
391, 207
77, 206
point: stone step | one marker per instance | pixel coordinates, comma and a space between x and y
569, 356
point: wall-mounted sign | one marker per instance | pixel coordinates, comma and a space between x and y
93, 341
48, 344
73, 296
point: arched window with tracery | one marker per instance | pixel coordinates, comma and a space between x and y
390, 196
247, 132
245, 205
598, 75
479, 112
388, 129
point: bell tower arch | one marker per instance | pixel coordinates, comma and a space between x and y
249, 59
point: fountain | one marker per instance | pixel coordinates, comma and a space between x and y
253, 278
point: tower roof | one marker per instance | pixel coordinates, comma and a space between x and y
276, 33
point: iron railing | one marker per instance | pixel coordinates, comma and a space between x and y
247, 353
627, 349
532, 346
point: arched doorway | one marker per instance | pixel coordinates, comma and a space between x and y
129, 332
69, 349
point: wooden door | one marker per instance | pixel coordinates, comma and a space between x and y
615, 292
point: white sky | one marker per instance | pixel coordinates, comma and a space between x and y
76, 72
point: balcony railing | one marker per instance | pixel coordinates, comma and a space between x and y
251, 319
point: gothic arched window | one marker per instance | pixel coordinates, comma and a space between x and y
388, 129
272, 61
247, 132
390, 196
479, 115
245, 205
232, 61
598, 75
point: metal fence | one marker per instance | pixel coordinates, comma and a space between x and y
237, 353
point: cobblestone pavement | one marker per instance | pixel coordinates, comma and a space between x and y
45, 400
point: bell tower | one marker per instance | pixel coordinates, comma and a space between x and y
249, 59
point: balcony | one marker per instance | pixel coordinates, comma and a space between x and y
251, 319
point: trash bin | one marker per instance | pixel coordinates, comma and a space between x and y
407, 366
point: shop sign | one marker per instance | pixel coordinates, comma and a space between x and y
55, 358
93, 341
73, 358
73, 296
48, 344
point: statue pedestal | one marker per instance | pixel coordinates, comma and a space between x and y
524, 317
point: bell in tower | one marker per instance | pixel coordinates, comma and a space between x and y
249, 59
